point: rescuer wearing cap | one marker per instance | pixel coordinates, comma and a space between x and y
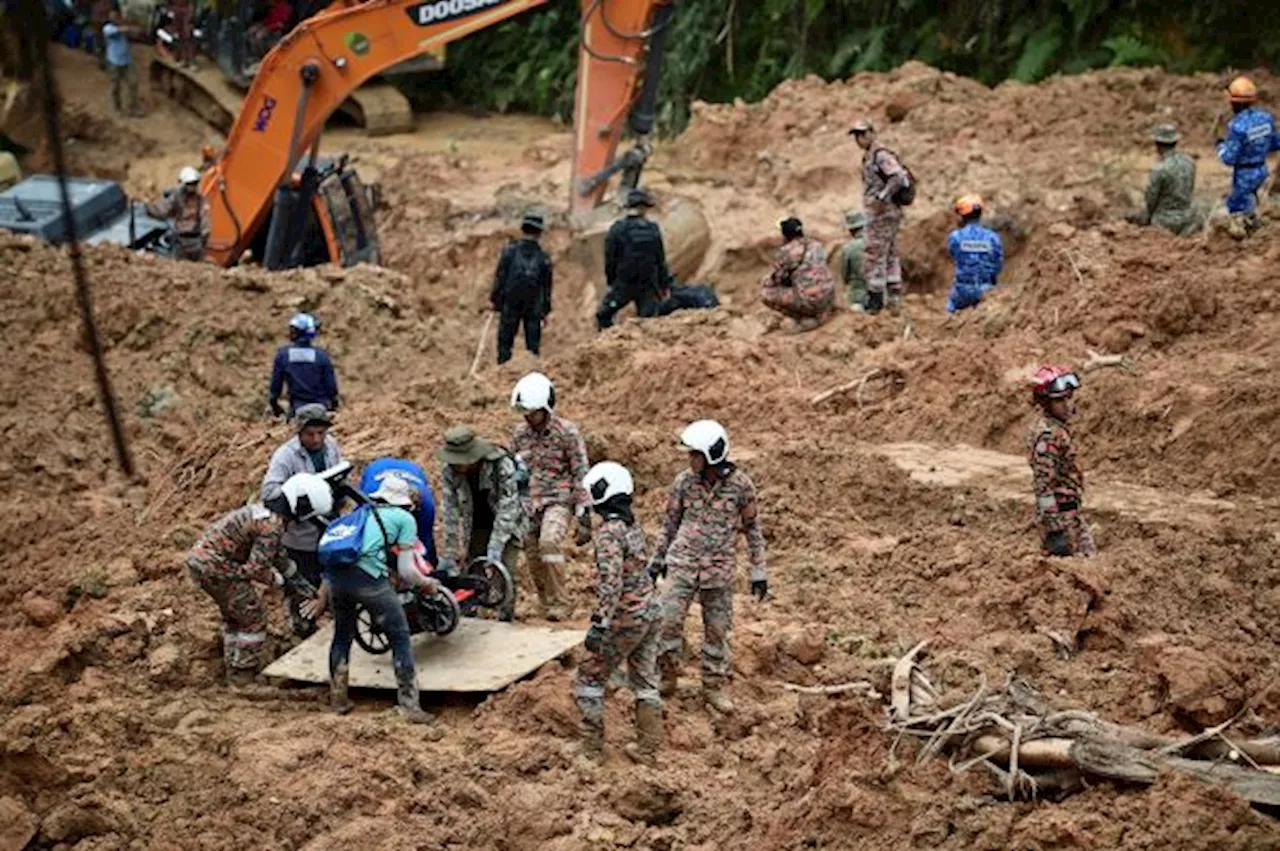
187, 212
635, 262
521, 292
884, 181
1170, 186
852, 260
1251, 136
977, 252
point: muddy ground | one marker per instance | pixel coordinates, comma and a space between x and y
896, 517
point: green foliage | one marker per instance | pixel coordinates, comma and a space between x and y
724, 49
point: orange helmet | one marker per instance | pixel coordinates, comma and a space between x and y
967, 205
1242, 90
1054, 382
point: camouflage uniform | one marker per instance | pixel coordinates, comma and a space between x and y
557, 460
457, 512
852, 269
628, 605
1169, 190
800, 286
702, 523
1059, 485
244, 546
189, 213
882, 173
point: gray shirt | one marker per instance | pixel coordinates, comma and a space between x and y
289, 460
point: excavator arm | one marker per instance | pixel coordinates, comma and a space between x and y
308, 75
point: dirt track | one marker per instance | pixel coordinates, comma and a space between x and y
883, 528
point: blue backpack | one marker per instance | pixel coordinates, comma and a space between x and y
343, 539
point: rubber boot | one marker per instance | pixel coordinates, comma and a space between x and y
407, 699
593, 738
670, 672
644, 749
339, 682
716, 698
241, 677
875, 303
895, 302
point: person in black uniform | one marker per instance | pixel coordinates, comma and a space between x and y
522, 288
635, 262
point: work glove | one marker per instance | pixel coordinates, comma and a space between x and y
760, 588
595, 637
274, 408
1057, 543
583, 535
657, 568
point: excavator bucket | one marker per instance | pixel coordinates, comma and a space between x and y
478, 656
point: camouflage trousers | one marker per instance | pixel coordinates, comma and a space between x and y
544, 552
717, 624
1078, 532
810, 302
244, 615
637, 646
883, 269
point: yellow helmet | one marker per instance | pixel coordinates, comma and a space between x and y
1242, 90
967, 205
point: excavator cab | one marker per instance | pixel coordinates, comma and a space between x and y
326, 214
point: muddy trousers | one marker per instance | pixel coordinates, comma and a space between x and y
637, 647
619, 296
1245, 183
799, 302
124, 77
883, 269
1079, 535
717, 625
244, 616
544, 553
513, 315
385, 611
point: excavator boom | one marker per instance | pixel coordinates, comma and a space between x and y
308, 75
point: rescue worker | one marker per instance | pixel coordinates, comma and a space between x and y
635, 262
187, 212
853, 259
707, 506
244, 547
183, 13
1058, 482
800, 286
553, 451
481, 509
626, 620
978, 254
1170, 186
883, 175
425, 512
304, 368
311, 450
389, 530
1251, 136
119, 61
522, 289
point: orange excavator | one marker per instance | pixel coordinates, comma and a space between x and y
270, 191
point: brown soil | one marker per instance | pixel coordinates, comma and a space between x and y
885, 524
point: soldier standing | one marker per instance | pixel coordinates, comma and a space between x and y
1058, 482
625, 624
884, 177
853, 258
800, 285
553, 450
635, 262
978, 254
246, 547
1251, 136
707, 506
521, 292
188, 213
1170, 186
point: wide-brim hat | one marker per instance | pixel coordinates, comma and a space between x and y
394, 491
1165, 134
855, 219
862, 125
463, 446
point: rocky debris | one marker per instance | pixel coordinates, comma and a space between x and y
18, 825
807, 645
1197, 686
91, 816
646, 798
41, 611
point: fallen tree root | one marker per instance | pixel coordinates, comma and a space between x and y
861, 686
893, 378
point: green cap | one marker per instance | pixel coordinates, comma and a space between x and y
1165, 134
855, 219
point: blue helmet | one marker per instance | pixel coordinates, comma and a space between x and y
303, 325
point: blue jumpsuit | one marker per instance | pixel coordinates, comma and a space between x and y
1251, 135
412, 473
309, 374
979, 256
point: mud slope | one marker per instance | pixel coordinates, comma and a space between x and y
893, 517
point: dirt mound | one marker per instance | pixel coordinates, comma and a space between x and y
115, 730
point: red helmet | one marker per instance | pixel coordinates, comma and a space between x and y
1054, 382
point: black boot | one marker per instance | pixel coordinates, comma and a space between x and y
875, 303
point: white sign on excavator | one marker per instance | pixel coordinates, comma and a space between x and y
425, 14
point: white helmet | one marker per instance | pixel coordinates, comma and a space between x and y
607, 480
308, 496
707, 437
534, 392
188, 176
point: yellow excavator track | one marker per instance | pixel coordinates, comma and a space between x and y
378, 107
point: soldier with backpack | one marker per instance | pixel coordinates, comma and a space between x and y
635, 262
887, 187
521, 292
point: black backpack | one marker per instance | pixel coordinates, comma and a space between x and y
524, 272
906, 194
